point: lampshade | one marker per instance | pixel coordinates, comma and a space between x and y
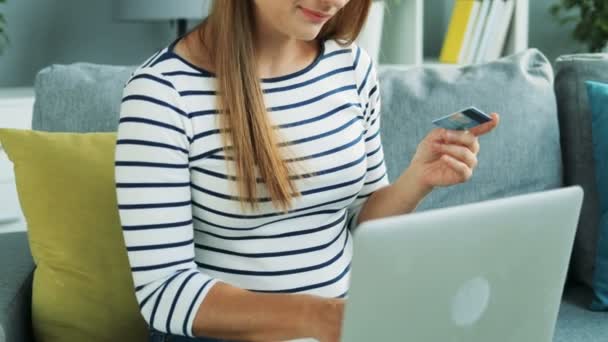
160, 9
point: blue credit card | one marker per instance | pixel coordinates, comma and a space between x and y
463, 120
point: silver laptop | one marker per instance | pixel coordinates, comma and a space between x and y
489, 271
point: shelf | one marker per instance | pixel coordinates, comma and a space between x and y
403, 36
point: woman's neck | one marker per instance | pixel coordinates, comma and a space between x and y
278, 54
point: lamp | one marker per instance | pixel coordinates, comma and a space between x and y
162, 10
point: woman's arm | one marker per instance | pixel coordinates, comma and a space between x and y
401, 197
443, 158
235, 314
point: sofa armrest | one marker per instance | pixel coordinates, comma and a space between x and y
16, 273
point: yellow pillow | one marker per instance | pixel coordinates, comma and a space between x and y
82, 290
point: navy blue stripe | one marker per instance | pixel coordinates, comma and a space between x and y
320, 117
373, 121
375, 166
366, 195
322, 135
328, 152
223, 196
152, 122
154, 205
204, 73
371, 92
331, 211
152, 185
343, 295
374, 151
152, 58
350, 220
340, 167
150, 143
158, 299
312, 156
249, 217
148, 164
371, 114
143, 302
153, 78
159, 266
308, 82
198, 92
367, 105
260, 180
320, 212
177, 294
155, 101
312, 100
310, 287
369, 69
375, 180
157, 226
277, 236
276, 273
357, 55
203, 112
198, 293
337, 52
219, 157
163, 57
205, 133
160, 246
272, 254
217, 174
300, 72
268, 199
334, 186
187, 73
206, 154
372, 136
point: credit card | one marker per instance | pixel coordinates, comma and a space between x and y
463, 120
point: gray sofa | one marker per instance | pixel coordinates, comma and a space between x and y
543, 142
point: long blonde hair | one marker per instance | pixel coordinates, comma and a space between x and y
240, 98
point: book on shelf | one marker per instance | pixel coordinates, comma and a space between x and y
497, 43
468, 35
517, 38
470, 30
478, 30
462, 12
489, 32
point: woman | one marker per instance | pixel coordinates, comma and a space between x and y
247, 151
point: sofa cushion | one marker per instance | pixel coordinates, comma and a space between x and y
579, 168
16, 267
82, 287
598, 101
575, 322
61, 90
522, 155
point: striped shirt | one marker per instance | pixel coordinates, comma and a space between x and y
182, 222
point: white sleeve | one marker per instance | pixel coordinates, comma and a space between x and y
369, 92
154, 202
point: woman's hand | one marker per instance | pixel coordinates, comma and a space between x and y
448, 157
